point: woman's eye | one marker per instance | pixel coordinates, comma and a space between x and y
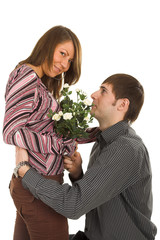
62, 53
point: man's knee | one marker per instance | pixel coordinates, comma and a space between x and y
71, 236
78, 236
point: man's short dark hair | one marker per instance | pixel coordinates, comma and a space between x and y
126, 86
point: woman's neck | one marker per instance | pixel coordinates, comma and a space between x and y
37, 69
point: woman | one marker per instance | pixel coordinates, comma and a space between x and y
32, 89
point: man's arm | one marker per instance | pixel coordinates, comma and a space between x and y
95, 188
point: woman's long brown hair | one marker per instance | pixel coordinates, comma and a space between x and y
44, 50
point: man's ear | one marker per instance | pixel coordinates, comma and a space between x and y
123, 104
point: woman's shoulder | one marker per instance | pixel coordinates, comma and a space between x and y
22, 70
22, 73
20, 78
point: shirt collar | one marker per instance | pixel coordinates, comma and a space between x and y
108, 135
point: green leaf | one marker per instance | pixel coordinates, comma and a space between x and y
49, 115
50, 111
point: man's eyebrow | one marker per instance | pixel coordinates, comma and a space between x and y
103, 87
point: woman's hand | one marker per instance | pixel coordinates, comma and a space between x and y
73, 165
22, 155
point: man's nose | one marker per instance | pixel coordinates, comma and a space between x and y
94, 95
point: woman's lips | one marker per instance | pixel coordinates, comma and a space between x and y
57, 69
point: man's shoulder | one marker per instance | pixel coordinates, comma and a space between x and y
128, 140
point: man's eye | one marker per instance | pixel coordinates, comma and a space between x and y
103, 90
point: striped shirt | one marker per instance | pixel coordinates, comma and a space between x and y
27, 125
115, 192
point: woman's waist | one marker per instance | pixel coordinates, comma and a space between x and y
58, 178
46, 164
19, 193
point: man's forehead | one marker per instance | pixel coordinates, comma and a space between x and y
107, 86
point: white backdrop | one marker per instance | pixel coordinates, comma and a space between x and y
116, 37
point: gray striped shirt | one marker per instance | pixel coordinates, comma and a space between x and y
115, 192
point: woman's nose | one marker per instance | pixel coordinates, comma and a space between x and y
65, 64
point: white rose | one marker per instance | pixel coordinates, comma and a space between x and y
56, 117
86, 118
60, 113
87, 102
67, 116
66, 85
78, 90
84, 93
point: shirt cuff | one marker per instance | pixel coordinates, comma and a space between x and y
75, 180
31, 180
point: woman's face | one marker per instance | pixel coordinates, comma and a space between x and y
62, 58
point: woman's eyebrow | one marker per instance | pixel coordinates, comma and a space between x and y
63, 49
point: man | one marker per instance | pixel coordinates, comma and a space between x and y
115, 192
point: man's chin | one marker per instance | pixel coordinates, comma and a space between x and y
93, 114
92, 110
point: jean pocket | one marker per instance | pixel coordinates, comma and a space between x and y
29, 211
18, 193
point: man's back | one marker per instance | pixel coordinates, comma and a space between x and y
125, 176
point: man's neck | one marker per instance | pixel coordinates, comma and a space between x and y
104, 125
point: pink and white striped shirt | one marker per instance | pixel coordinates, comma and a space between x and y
27, 125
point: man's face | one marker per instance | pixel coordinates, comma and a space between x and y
104, 103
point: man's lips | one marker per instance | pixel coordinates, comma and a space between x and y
93, 105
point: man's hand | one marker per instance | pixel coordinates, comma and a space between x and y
22, 155
73, 165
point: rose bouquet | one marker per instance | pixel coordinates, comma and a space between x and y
73, 118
